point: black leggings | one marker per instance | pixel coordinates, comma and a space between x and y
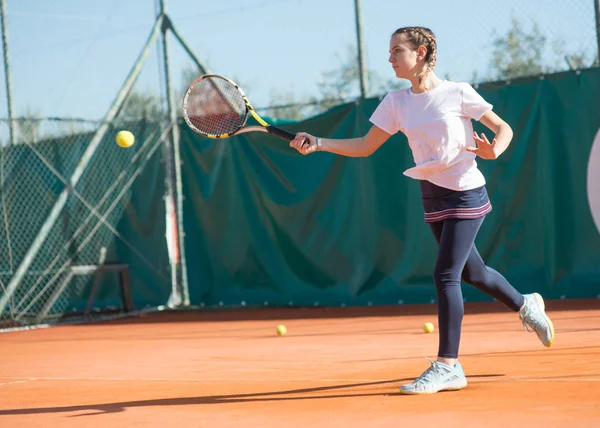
458, 258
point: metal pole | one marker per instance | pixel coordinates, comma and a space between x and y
7, 75
597, 9
364, 83
185, 46
180, 291
81, 166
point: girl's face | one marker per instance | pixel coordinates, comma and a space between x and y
402, 57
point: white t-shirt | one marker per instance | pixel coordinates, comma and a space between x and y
438, 126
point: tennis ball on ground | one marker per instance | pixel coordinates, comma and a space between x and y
281, 330
125, 139
428, 327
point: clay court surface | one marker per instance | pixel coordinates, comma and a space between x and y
335, 368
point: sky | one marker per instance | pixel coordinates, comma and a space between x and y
70, 57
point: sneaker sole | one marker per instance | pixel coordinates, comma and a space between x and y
453, 387
540, 301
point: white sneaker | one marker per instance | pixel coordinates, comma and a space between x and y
534, 318
438, 377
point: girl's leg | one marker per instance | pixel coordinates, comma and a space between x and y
458, 258
531, 307
486, 279
455, 239
475, 272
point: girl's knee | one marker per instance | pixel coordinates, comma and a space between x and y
475, 277
445, 277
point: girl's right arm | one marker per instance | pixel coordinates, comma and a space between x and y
351, 147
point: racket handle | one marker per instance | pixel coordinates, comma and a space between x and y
288, 136
278, 132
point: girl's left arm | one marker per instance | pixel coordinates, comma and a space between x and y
503, 136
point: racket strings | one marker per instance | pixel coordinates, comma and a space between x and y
215, 107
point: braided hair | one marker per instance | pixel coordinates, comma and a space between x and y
421, 36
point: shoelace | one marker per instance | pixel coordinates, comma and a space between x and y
528, 321
435, 370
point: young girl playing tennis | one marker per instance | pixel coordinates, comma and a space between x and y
436, 115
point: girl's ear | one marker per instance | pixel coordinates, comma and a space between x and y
421, 52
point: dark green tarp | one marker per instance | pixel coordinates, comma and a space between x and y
266, 224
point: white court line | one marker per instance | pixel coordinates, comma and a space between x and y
15, 381
525, 380
135, 379
280, 380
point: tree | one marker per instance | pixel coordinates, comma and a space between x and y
573, 60
142, 105
28, 128
522, 53
287, 105
343, 83
188, 75
518, 53
149, 105
337, 86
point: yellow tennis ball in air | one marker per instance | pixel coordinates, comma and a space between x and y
281, 330
428, 327
125, 139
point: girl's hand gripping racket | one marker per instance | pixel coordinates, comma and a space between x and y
216, 107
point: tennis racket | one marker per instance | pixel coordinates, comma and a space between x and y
216, 107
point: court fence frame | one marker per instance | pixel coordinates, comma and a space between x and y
20, 130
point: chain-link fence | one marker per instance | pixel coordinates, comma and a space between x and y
477, 42
64, 186
525, 38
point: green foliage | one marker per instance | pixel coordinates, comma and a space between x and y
337, 86
28, 130
142, 105
518, 53
521, 53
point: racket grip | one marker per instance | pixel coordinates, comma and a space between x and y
278, 132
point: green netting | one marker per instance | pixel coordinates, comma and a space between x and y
117, 205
